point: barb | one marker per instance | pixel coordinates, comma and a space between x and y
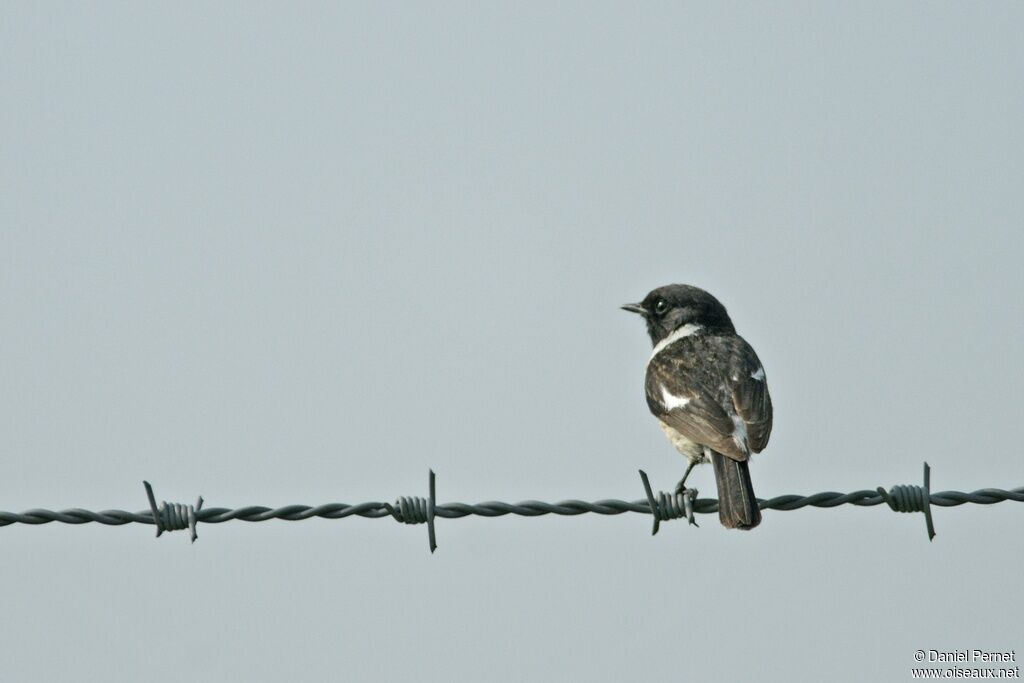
174, 516
412, 510
666, 506
913, 499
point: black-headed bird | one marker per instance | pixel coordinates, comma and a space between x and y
708, 390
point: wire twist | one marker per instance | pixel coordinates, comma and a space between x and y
677, 505
409, 510
906, 498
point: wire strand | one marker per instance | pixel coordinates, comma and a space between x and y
662, 507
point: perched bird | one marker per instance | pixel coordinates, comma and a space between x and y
708, 390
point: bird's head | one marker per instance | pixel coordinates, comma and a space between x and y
668, 308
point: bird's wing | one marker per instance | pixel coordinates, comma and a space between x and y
750, 396
687, 396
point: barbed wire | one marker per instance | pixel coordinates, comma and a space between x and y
416, 510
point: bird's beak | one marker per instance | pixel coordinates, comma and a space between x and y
635, 308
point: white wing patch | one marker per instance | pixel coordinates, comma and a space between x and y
739, 433
684, 331
670, 400
758, 375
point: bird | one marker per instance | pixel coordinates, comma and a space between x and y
708, 390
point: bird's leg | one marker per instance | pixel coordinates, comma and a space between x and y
689, 495
681, 486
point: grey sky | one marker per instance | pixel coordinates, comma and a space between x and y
282, 255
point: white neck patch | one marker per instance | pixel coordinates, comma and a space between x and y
684, 331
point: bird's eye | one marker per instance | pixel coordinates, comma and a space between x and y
660, 306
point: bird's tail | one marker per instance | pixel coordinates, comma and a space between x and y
737, 506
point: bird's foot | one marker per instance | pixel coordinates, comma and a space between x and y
688, 496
